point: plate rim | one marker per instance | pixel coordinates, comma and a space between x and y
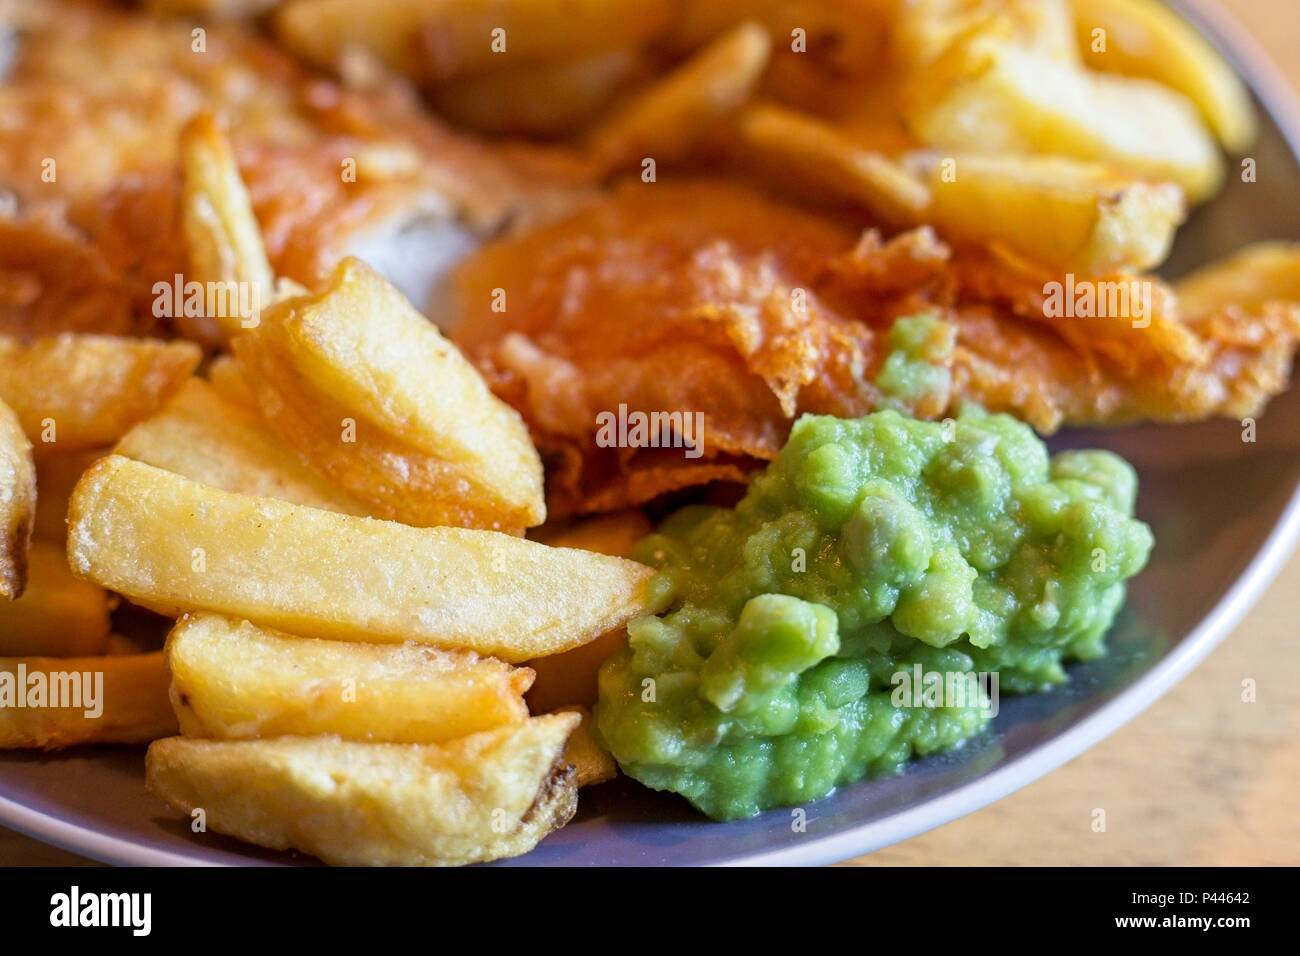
1280, 103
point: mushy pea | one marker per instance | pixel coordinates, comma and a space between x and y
868, 547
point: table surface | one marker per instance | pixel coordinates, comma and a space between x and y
1199, 778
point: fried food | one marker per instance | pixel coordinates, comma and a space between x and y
843, 37
56, 475
668, 120
615, 533
431, 41
59, 615
366, 390
708, 298
988, 95
202, 436
330, 169
831, 160
17, 503
173, 545
232, 680
1147, 39
1063, 214
1251, 278
540, 99
923, 30
73, 392
222, 236
479, 798
104, 700
592, 764
570, 677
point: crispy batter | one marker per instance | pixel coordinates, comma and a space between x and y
101, 98
707, 297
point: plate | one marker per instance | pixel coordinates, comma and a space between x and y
1225, 513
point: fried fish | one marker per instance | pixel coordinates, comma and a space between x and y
709, 297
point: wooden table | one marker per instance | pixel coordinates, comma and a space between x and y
1199, 778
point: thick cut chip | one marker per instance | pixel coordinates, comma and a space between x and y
205, 438
1147, 39
82, 391
412, 408
50, 703
833, 163
669, 119
222, 236
1065, 214
59, 615
174, 545
1249, 279
924, 29
232, 680
17, 503
988, 96
479, 798
228, 381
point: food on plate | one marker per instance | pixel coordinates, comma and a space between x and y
570, 677
222, 237
368, 392
835, 161
924, 29
845, 37
436, 41
1058, 212
591, 763
667, 121
482, 797
229, 383
985, 94
57, 473
1147, 39
331, 168
540, 99
232, 680
17, 503
49, 703
173, 545
59, 615
202, 436
388, 414
1074, 216
72, 392
55, 280
709, 299
868, 549
1260, 276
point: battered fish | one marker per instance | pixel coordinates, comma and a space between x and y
90, 116
708, 297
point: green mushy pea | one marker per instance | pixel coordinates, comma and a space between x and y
867, 548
